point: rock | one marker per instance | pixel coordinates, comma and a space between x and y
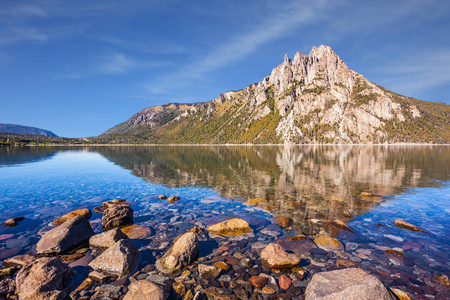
179, 288
173, 199
342, 225
45, 279
274, 256
347, 214
258, 281
299, 244
13, 222
328, 243
117, 216
205, 271
162, 197
67, 236
137, 231
184, 251
7, 271
144, 290
19, 261
246, 263
117, 259
401, 295
348, 284
106, 291
84, 212
106, 239
99, 277
405, 225
344, 263
234, 226
366, 194
283, 222
221, 265
6, 236
257, 202
284, 282
7, 286
268, 290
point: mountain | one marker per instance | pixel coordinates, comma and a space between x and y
313, 98
20, 129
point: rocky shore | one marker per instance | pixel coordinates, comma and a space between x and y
182, 253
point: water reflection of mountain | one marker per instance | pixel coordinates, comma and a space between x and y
312, 184
20, 155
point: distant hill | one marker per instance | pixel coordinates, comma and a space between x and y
20, 129
312, 99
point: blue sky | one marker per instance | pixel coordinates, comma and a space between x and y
79, 67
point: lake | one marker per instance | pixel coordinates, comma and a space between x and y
312, 185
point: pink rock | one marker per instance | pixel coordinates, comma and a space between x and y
284, 282
6, 236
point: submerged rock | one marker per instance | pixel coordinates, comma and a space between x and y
44, 279
346, 284
106, 239
274, 256
405, 225
162, 197
137, 231
13, 222
67, 236
117, 259
283, 222
84, 212
205, 271
116, 216
328, 243
235, 226
173, 199
184, 251
144, 289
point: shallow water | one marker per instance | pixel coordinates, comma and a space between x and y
313, 185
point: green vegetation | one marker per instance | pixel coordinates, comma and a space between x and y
358, 97
14, 139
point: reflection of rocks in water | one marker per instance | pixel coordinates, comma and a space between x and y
313, 185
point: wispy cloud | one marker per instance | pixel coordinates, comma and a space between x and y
242, 45
417, 71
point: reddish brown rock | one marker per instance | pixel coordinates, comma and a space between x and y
144, 289
45, 279
274, 256
405, 225
13, 222
346, 284
117, 259
258, 281
84, 212
70, 234
106, 239
137, 231
284, 282
283, 221
117, 215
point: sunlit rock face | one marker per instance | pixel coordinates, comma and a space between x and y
313, 185
312, 99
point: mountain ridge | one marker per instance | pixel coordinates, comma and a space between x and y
21, 129
311, 99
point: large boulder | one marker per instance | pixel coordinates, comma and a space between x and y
144, 290
117, 259
106, 239
117, 216
45, 279
183, 252
234, 226
84, 212
274, 256
346, 284
67, 236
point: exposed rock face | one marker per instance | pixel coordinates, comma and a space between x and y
70, 234
116, 216
183, 252
346, 284
44, 279
107, 239
117, 259
84, 212
235, 226
313, 98
274, 256
144, 290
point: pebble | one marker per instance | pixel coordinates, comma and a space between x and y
394, 237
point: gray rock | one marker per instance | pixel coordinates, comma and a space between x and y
346, 284
106, 291
45, 278
106, 239
117, 259
7, 286
183, 252
145, 289
69, 235
117, 216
